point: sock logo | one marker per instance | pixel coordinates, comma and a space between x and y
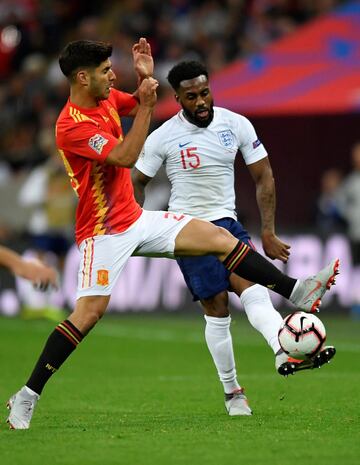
50, 368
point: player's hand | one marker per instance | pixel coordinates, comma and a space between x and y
275, 248
147, 92
143, 60
41, 275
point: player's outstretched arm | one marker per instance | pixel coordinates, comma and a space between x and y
139, 180
41, 275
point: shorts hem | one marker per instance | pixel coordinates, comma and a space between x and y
92, 293
197, 298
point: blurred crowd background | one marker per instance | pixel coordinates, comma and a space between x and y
33, 90
36, 201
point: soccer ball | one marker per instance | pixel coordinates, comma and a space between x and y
301, 335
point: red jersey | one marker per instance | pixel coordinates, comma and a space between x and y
85, 137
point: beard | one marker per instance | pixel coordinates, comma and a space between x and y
200, 122
102, 95
98, 91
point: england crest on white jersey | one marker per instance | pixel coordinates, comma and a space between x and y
226, 138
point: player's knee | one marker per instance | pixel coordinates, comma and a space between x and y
93, 317
88, 312
223, 233
225, 241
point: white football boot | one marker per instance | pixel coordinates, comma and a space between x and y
21, 406
236, 403
308, 293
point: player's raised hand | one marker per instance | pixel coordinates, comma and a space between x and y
143, 60
275, 248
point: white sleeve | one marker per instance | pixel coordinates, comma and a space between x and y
151, 157
249, 144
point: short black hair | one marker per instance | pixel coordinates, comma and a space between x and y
83, 54
186, 70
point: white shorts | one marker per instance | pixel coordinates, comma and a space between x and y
104, 257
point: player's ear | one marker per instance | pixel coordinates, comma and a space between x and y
82, 77
176, 97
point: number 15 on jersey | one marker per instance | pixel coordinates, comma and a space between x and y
189, 158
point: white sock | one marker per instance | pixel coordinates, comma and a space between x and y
219, 342
261, 314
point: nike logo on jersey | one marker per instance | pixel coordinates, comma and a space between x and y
183, 145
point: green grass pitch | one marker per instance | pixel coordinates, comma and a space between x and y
143, 390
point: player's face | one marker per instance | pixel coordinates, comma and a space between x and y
101, 80
195, 97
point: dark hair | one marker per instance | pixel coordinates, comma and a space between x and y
185, 70
83, 54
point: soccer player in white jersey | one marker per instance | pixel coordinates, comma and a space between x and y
198, 147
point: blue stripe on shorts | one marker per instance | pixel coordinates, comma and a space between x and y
206, 276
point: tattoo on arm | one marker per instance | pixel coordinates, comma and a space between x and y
266, 200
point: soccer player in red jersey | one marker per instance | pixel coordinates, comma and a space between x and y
110, 225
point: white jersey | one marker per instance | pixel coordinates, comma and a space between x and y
199, 162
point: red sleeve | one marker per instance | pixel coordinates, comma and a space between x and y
86, 140
123, 101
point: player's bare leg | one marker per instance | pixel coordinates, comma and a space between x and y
88, 311
200, 237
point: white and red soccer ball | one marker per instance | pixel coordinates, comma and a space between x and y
302, 335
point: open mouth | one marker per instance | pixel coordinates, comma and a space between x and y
203, 113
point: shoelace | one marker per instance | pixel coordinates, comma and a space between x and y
28, 407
